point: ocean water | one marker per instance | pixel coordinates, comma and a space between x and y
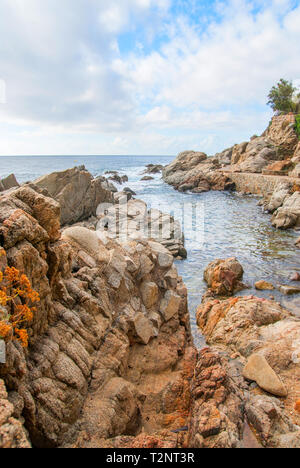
215, 224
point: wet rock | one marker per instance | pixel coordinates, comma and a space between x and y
295, 277
264, 286
258, 369
153, 169
223, 276
147, 178
289, 290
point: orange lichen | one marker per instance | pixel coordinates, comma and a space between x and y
297, 406
296, 188
16, 304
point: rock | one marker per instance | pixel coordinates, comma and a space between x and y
184, 161
149, 294
128, 190
165, 260
117, 178
297, 406
258, 370
295, 277
281, 192
223, 276
12, 433
147, 178
289, 290
278, 168
264, 286
153, 169
169, 306
77, 193
8, 183
143, 328
269, 421
289, 214
216, 419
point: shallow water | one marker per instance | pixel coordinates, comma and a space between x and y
216, 225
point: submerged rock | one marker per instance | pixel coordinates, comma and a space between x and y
264, 286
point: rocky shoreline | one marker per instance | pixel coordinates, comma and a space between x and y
111, 361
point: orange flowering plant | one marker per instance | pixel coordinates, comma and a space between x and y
17, 299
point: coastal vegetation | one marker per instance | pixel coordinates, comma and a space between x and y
284, 97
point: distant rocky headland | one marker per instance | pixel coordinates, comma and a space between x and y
110, 361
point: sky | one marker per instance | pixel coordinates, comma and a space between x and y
145, 77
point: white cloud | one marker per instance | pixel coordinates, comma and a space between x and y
181, 81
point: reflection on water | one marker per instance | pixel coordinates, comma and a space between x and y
233, 226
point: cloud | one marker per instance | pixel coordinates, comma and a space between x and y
147, 76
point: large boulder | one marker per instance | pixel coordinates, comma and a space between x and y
289, 214
8, 183
223, 276
77, 192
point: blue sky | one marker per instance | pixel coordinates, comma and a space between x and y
140, 76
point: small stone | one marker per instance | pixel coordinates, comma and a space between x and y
289, 290
264, 286
258, 370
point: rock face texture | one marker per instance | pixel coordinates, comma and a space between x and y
261, 340
12, 432
77, 192
110, 351
8, 183
133, 220
276, 152
223, 276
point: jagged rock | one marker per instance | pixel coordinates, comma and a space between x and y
77, 192
153, 169
223, 276
257, 369
272, 425
8, 183
289, 214
170, 305
149, 294
12, 433
216, 412
97, 357
281, 193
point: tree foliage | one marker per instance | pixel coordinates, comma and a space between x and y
284, 97
17, 299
